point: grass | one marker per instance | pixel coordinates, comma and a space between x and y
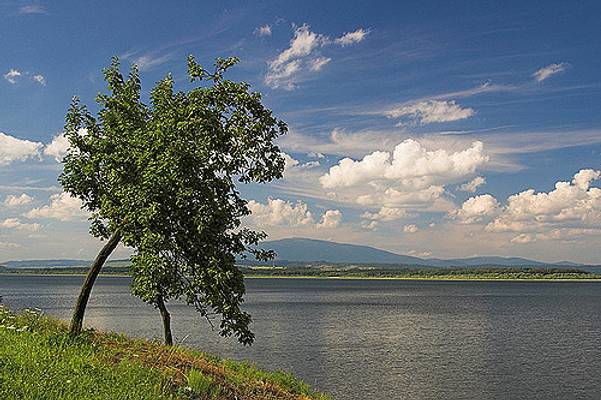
39, 360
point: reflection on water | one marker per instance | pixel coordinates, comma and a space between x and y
381, 339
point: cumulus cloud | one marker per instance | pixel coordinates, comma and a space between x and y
410, 164
13, 149
330, 219
548, 71
571, 209
476, 208
473, 185
302, 56
17, 201
411, 175
12, 76
15, 223
62, 207
371, 220
278, 212
57, 148
351, 37
264, 30
431, 111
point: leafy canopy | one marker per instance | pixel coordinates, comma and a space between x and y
163, 176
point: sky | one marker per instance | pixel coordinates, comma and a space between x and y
435, 129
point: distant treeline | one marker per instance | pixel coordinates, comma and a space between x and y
339, 271
428, 273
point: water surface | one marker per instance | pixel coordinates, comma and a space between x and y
381, 340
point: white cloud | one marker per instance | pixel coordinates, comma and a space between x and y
385, 214
572, 209
411, 175
62, 207
38, 78
15, 223
330, 219
12, 76
294, 167
548, 71
421, 254
300, 57
264, 30
289, 62
318, 63
473, 185
32, 9
150, 60
339, 142
278, 212
476, 208
13, 149
410, 164
431, 111
351, 37
410, 228
17, 201
57, 148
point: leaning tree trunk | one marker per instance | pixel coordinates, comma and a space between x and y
86, 288
160, 302
166, 320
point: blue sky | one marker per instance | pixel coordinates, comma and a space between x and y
481, 100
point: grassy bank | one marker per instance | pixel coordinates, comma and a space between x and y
38, 360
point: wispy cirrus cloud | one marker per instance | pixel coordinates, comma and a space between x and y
352, 37
431, 111
548, 71
264, 30
148, 60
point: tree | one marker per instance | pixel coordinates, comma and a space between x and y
161, 179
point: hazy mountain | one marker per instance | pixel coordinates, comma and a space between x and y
45, 263
307, 250
310, 250
303, 251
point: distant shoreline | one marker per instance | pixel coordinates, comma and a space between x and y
343, 277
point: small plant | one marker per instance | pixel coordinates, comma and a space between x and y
202, 385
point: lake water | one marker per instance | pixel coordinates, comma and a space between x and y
359, 339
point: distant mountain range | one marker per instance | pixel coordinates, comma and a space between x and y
302, 250
45, 263
310, 251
